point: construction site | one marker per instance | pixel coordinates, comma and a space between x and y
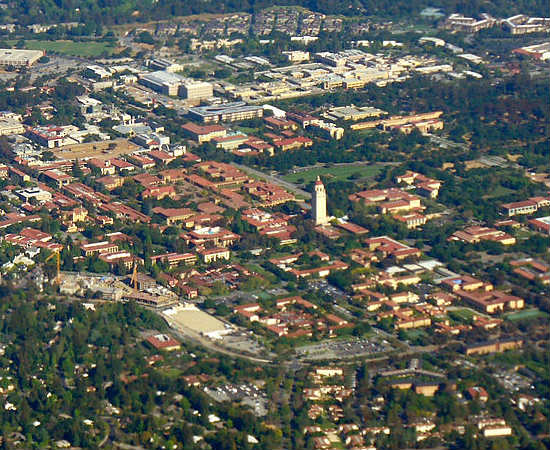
99, 149
137, 287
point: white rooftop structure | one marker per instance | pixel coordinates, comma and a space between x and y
19, 58
278, 113
162, 77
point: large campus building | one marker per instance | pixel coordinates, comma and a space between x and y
166, 83
19, 58
169, 83
229, 112
196, 90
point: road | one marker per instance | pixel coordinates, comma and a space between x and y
276, 180
106, 437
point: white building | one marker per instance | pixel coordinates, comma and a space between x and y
19, 58
296, 56
196, 90
8, 127
319, 206
40, 195
164, 82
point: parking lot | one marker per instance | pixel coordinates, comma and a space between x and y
342, 349
248, 394
326, 288
243, 342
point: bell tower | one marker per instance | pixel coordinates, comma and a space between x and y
319, 203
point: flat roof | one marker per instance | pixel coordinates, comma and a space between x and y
228, 108
163, 77
196, 84
195, 319
12, 54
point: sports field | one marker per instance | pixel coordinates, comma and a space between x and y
336, 173
85, 49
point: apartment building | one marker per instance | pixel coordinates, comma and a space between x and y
522, 24
494, 346
528, 206
458, 22
98, 248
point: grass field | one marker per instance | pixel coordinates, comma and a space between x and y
84, 49
336, 173
463, 314
414, 334
172, 372
247, 130
256, 268
527, 314
263, 295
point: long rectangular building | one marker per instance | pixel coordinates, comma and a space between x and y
166, 83
229, 112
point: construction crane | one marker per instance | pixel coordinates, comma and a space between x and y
133, 279
57, 256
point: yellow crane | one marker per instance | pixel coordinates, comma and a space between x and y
57, 256
133, 279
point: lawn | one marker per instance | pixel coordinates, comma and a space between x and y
263, 295
527, 314
261, 271
84, 49
464, 314
248, 130
415, 334
171, 372
335, 173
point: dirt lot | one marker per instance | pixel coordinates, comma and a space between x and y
99, 150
